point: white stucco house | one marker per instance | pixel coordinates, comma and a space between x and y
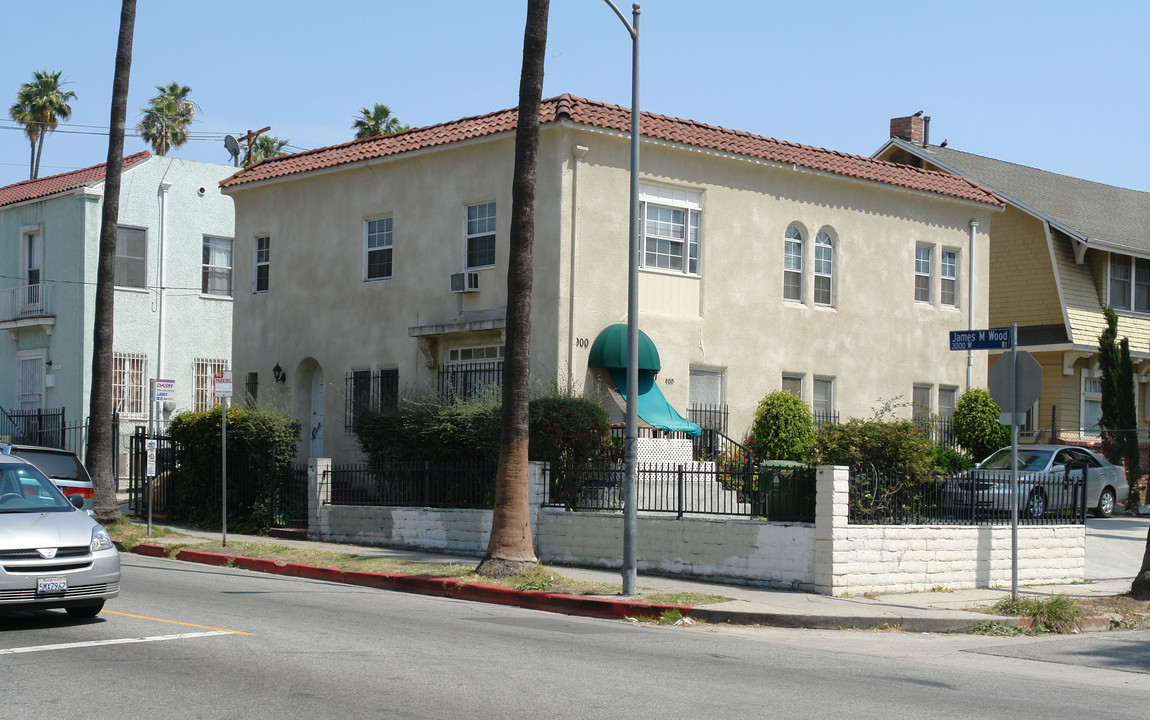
173, 299
372, 269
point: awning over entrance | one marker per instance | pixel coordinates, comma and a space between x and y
652, 407
610, 350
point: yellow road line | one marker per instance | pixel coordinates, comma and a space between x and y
176, 622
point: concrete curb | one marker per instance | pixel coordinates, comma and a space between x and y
427, 585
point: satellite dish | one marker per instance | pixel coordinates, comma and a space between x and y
233, 147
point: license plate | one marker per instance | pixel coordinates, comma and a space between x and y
51, 585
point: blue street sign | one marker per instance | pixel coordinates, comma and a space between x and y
993, 339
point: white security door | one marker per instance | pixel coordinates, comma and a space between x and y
30, 382
316, 448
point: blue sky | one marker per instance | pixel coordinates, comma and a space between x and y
1056, 85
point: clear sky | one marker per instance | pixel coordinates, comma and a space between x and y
1056, 84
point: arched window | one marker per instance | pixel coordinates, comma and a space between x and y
824, 269
793, 265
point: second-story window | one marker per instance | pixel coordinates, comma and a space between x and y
1129, 286
948, 287
262, 265
793, 265
824, 270
480, 248
131, 257
922, 274
377, 249
217, 267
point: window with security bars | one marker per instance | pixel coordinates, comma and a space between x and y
204, 385
369, 390
129, 384
131, 268
471, 371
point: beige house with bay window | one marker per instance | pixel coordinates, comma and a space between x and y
376, 269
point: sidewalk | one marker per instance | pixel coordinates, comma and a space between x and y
926, 612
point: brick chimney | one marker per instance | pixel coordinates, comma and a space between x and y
911, 129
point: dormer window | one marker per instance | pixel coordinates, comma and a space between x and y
1129, 286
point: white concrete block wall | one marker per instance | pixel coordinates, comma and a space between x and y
830, 557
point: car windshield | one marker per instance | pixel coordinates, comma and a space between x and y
1033, 460
24, 489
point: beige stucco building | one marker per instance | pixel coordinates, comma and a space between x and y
765, 265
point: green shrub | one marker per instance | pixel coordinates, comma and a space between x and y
886, 445
949, 461
784, 428
566, 428
255, 436
976, 425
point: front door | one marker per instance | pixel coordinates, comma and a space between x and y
316, 448
29, 388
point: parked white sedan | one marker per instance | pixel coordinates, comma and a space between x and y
52, 554
1042, 481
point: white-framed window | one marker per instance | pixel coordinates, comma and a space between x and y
948, 277
1129, 283
479, 244
920, 401
131, 257
922, 274
824, 269
377, 248
31, 254
129, 389
823, 400
947, 400
793, 384
670, 221
471, 371
1091, 404
204, 383
262, 264
793, 264
217, 267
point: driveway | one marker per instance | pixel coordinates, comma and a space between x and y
1114, 546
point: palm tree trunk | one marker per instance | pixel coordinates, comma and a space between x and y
100, 450
511, 547
39, 153
32, 161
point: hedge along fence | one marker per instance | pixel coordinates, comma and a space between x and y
563, 429
261, 447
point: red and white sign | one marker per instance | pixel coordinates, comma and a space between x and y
223, 384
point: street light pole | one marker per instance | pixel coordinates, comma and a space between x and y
631, 491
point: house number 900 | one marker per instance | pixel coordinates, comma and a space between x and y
582, 342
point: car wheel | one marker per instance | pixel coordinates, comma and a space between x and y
1035, 504
85, 611
1105, 503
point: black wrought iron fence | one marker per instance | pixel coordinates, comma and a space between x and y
33, 427
455, 484
973, 498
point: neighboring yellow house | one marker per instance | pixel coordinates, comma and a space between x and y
1063, 250
378, 267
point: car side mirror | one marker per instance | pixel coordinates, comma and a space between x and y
77, 501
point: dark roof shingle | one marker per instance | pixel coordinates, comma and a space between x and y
614, 117
43, 187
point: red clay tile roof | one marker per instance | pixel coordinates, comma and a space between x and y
614, 117
43, 187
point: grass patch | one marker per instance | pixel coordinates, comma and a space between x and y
997, 629
1056, 613
688, 599
130, 534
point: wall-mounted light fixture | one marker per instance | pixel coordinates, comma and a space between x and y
279, 374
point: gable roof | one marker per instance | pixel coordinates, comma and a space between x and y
614, 117
43, 187
1091, 212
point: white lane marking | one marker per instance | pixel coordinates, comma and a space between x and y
115, 641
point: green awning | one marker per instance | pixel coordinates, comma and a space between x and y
610, 350
652, 407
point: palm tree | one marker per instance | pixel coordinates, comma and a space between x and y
99, 457
266, 146
510, 548
40, 106
377, 121
167, 118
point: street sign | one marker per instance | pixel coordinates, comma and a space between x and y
165, 389
1029, 378
151, 445
223, 384
993, 339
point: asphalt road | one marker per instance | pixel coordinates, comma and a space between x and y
191, 641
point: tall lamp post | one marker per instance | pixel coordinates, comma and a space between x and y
631, 492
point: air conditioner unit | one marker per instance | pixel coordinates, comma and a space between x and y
465, 282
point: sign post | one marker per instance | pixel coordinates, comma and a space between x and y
151, 475
223, 387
